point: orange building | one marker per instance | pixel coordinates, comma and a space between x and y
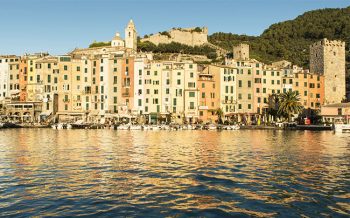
209, 93
127, 78
310, 87
23, 78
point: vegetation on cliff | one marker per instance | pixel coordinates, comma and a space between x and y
99, 44
291, 39
175, 47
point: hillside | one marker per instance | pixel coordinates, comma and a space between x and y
290, 40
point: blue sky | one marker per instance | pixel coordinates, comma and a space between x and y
59, 26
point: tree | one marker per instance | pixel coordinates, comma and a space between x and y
273, 103
219, 112
289, 103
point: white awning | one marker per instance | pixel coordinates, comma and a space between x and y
45, 113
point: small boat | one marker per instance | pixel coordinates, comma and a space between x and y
155, 127
212, 127
164, 127
62, 126
340, 126
232, 127
80, 125
135, 127
123, 127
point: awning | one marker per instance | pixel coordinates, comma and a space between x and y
45, 113
93, 113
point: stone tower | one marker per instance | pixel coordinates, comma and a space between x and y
327, 58
241, 52
131, 36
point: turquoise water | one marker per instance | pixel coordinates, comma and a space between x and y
107, 173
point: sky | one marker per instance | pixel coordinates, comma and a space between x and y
59, 26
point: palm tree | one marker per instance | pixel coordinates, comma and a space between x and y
273, 102
219, 112
289, 103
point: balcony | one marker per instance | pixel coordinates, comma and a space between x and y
66, 100
126, 94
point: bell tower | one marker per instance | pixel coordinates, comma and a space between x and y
131, 36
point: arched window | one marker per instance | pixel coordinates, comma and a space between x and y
129, 34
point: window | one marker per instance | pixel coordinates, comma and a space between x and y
191, 94
239, 106
249, 84
101, 78
203, 94
140, 72
257, 90
155, 73
78, 68
203, 85
65, 77
240, 83
191, 75
78, 78
249, 96
249, 106
65, 67
179, 82
191, 105
115, 80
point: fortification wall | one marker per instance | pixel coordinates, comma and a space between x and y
184, 36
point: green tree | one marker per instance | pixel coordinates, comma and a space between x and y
289, 103
220, 113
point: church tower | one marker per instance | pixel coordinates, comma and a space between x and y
131, 36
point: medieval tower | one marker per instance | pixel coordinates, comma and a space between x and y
241, 52
131, 36
327, 58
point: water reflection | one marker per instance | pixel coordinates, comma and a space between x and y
44, 172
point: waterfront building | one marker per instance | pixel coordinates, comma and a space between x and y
13, 80
209, 92
5, 62
34, 79
310, 88
23, 78
47, 85
338, 111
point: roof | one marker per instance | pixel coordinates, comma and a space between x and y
342, 105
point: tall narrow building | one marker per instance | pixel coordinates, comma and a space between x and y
131, 36
327, 57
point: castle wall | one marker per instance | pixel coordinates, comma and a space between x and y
183, 36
